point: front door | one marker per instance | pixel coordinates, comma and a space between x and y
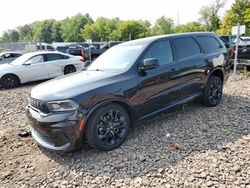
34, 69
158, 88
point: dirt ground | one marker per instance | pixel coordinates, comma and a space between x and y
211, 148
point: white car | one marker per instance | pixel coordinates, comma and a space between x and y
38, 66
7, 57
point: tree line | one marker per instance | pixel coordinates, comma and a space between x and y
82, 27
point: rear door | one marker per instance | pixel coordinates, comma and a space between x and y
55, 64
191, 60
34, 69
158, 87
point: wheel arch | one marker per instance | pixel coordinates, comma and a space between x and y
216, 72
123, 103
12, 74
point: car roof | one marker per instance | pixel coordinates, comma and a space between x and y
46, 52
148, 40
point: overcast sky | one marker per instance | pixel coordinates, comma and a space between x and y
14, 13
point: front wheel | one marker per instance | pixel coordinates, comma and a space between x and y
213, 91
9, 81
108, 127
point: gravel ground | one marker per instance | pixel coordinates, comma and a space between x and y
193, 146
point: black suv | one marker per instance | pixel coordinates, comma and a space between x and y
130, 82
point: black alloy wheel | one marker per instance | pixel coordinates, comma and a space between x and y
213, 91
108, 127
69, 69
9, 81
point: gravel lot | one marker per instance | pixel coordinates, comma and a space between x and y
207, 147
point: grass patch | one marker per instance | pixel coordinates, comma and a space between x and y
246, 71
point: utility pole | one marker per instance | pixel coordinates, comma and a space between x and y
129, 36
236, 48
178, 19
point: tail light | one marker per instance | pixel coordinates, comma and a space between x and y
231, 52
82, 60
83, 54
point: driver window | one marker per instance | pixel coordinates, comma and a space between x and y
35, 60
162, 51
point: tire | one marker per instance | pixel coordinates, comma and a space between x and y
108, 127
69, 69
10, 81
213, 92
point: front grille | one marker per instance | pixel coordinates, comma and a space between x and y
40, 105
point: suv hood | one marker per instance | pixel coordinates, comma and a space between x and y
69, 86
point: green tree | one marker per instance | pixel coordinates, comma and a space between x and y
103, 29
43, 31
14, 35
162, 26
133, 29
56, 32
189, 27
71, 27
6, 37
209, 15
10, 35
240, 10
25, 32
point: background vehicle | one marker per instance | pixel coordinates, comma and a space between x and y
95, 52
7, 57
231, 39
62, 49
244, 45
38, 66
130, 82
44, 46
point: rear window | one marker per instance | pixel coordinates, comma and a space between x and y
53, 57
186, 47
209, 43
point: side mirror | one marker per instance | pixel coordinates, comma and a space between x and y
149, 64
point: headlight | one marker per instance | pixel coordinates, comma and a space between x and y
65, 105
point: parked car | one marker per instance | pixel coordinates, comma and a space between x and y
7, 57
244, 46
44, 46
128, 83
231, 39
95, 52
38, 66
62, 49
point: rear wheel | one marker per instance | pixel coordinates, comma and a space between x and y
108, 127
69, 69
10, 81
213, 91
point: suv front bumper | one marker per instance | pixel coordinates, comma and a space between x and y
57, 131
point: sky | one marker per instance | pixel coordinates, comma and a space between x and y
19, 12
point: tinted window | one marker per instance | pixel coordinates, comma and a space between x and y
53, 57
162, 51
226, 38
209, 43
35, 60
186, 47
65, 57
17, 55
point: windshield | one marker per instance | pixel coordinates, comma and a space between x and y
117, 58
22, 59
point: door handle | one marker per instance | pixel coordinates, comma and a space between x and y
172, 70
